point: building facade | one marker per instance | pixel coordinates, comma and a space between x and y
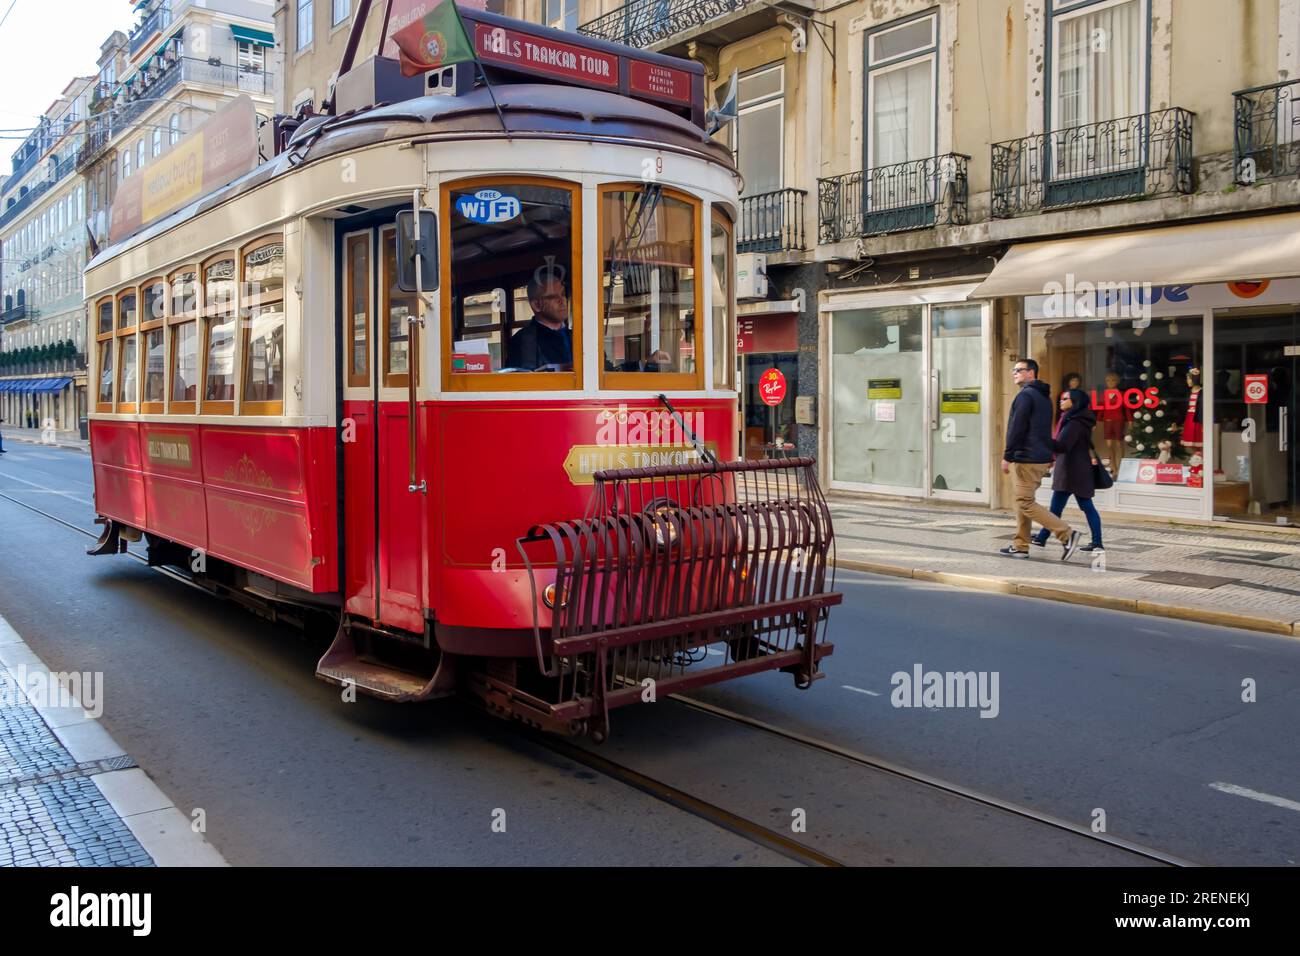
178, 64
42, 245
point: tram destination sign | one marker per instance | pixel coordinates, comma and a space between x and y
585, 61
218, 151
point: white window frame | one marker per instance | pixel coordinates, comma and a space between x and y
1065, 10
250, 57
899, 61
768, 101
173, 129
567, 18
303, 38
340, 12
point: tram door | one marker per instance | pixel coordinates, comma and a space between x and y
382, 518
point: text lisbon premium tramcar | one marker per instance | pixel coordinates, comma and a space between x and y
496, 438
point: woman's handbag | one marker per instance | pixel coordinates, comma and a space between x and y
1101, 479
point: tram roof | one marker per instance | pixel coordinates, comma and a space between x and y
531, 111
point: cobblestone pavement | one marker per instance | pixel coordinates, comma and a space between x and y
1211, 573
51, 812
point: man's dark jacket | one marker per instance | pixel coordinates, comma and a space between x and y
1029, 428
526, 348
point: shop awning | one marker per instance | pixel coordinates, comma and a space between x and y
34, 385
256, 37
1259, 247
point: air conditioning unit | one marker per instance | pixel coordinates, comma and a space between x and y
751, 276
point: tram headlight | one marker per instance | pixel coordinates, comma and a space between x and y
663, 513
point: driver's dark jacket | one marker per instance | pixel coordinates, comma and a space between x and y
536, 345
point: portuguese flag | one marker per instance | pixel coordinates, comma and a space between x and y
435, 40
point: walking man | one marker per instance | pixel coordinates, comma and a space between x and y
1028, 457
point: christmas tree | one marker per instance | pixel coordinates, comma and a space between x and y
1153, 430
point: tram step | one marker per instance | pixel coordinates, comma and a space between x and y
379, 680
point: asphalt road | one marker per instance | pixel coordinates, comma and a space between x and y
1141, 718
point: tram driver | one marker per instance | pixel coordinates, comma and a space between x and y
546, 341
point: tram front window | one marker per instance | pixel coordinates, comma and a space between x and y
649, 293
511, 278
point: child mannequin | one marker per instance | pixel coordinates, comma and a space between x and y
1112, 421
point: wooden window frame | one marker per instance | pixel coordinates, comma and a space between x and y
520, 382
151, 325
99, 372
353, 379
244, 323
720, 215
206, 314
121, 406
651, 381
170, 341
383, 378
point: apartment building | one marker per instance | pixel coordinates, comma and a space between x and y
42, 252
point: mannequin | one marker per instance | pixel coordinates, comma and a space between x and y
1112, 421
1193, 433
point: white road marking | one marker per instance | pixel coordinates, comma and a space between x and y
56, 491
1256, 795
859, 690
1151, 630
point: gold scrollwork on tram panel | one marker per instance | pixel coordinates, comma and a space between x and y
248, 473
253, 518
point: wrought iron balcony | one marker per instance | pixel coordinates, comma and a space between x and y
154, 22
1266, 140
649, 23
917, 194
1137, 156
771, 222
16, 314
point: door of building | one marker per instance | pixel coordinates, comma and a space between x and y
768, 430
1256, 358
910, 400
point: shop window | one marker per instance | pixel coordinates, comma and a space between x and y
219, 337
1145, 387
263, 302
649, 294
724, 308
513, 282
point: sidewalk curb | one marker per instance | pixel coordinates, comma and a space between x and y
972, 582
161, 829
37, 441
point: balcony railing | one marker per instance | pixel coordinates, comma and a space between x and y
642, 23
154, 23
917, 194
771, 222
36, 366
1137, 156
190, 70
16, 314
58, 171
1266, 141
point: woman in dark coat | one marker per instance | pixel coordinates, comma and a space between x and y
1072, 472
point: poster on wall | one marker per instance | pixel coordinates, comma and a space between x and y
885, 411
965, 402
884, 388
1256, 390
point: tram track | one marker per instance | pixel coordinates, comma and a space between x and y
662, 791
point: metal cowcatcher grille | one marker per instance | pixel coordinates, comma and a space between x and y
672, 563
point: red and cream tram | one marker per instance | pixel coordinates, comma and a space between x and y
468, 388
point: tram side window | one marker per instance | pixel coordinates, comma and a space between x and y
264, 338
512, 290
397, 306
106, 374
358, 297
154, 368
185, 340
724, 331
126, 370
219, 317
106, 316
649, 292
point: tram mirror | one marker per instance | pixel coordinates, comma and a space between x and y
406, 251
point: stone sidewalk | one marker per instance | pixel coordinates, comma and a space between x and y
69, 796
1231, 575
